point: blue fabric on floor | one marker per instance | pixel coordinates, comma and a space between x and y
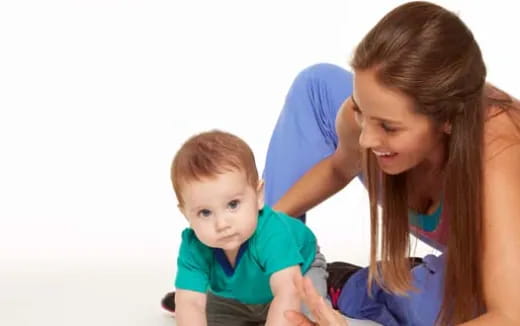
418, 308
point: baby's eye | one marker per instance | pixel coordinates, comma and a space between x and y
234, 204
204, 213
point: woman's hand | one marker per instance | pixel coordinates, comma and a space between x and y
322, 313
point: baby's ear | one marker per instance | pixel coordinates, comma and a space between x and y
260, 193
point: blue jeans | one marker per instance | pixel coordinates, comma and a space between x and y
305, 132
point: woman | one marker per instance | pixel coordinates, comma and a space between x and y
433, 139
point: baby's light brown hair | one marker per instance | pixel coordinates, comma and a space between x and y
208, 154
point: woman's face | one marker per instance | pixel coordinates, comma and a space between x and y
400, 138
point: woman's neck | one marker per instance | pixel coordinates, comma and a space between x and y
434, 165
425, 182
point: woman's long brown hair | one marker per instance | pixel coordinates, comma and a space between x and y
427, 53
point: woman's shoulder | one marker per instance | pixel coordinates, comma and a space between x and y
502, 122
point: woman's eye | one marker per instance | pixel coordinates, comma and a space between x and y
388, 128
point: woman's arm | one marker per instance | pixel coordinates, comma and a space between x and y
331, 174
501, 256
323, 313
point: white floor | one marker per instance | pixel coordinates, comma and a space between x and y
118, 281
111, 295
63, 293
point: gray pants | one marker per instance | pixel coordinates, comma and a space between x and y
228, 312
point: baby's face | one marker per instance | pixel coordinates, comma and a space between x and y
223, 211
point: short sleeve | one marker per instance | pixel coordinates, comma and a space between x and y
278, 250
192, 264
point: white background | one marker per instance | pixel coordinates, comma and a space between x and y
96, 97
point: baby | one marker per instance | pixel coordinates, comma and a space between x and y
238, 258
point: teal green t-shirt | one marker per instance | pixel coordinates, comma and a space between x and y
278, 242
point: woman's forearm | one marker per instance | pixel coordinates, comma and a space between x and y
318, 184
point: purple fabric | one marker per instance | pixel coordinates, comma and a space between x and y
418, 308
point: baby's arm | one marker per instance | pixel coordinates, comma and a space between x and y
190, 308
285, 295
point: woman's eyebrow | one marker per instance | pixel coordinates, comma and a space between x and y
356, 107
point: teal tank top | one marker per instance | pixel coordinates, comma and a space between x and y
426, 222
